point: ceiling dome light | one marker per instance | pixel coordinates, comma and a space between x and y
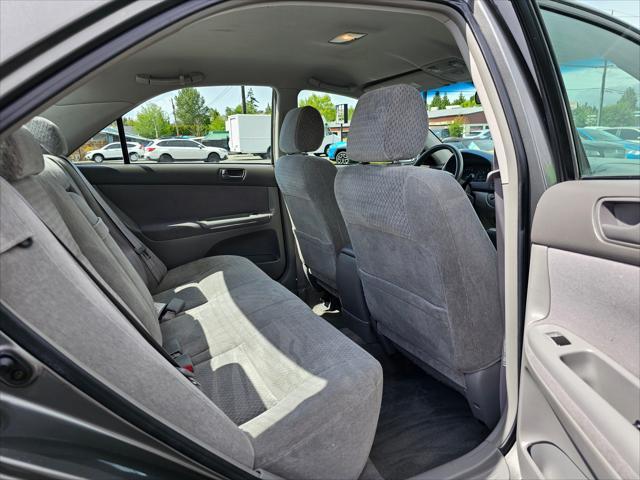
346, 37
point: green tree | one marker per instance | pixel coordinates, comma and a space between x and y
152, 122
191, 112
622, 113
268, 109
322, 103
436, 101
216, 122
252, 102
228, 111
445, 101
456, 127
460, 100
584, 115
471, 102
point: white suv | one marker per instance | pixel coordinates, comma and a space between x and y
183, 149
113, 151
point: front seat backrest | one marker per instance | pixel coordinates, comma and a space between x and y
427, 266
307, 183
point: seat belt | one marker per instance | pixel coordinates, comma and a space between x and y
152, 263
499, 210
115, 299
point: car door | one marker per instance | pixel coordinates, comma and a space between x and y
579, 401
196, 152
113, 151
187, 210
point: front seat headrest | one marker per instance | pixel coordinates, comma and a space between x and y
389, 124
49, 135
302, 130
20, 156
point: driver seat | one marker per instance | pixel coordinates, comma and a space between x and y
428, 269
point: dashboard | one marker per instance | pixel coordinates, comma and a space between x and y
476, 163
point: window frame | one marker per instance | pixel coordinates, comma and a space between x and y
553, 81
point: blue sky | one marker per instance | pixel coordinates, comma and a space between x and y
627, 10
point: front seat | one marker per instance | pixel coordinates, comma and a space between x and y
427, 266
307, 184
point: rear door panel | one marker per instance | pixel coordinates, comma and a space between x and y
190, 211
580, 387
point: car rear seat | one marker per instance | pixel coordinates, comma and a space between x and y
281, 389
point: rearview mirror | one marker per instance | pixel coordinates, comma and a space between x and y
476, 99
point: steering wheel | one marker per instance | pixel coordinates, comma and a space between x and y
457, 158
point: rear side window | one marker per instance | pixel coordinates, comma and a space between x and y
233, 122
600, 70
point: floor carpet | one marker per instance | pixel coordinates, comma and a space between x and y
423, 423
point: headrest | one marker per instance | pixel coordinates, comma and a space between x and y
49, 135
389, 124
302, 130
20, 156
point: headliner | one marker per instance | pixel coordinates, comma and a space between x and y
283, 46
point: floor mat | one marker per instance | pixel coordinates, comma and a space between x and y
423, 423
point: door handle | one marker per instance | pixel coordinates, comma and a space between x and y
233, 174
620, 220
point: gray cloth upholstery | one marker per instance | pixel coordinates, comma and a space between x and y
14, 165
281, 389
49, 135
47, 289
388, 124
307, 183
302, 130
427, 266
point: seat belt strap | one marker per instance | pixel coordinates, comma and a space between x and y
151, 262
116, 301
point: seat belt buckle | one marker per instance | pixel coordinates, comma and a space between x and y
189, 376
172, 309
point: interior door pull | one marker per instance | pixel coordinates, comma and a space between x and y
620, 221
233, 174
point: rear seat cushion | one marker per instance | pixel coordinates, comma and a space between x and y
273, 367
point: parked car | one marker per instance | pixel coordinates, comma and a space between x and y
338, 153
625, 133
328, 140
441, 131
113, 151
169, 150
609, 144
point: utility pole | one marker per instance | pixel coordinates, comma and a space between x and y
604, 79
175, 119
244, 99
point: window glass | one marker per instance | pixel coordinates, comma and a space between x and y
232, 122
455, 117
629, 134
600, 70
332, 108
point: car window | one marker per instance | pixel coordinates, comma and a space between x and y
629, 134
336, 111
600, 70
233, 118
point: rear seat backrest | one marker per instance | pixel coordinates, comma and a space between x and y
54, 197
48, 134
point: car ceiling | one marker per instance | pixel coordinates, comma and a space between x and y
284, 46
